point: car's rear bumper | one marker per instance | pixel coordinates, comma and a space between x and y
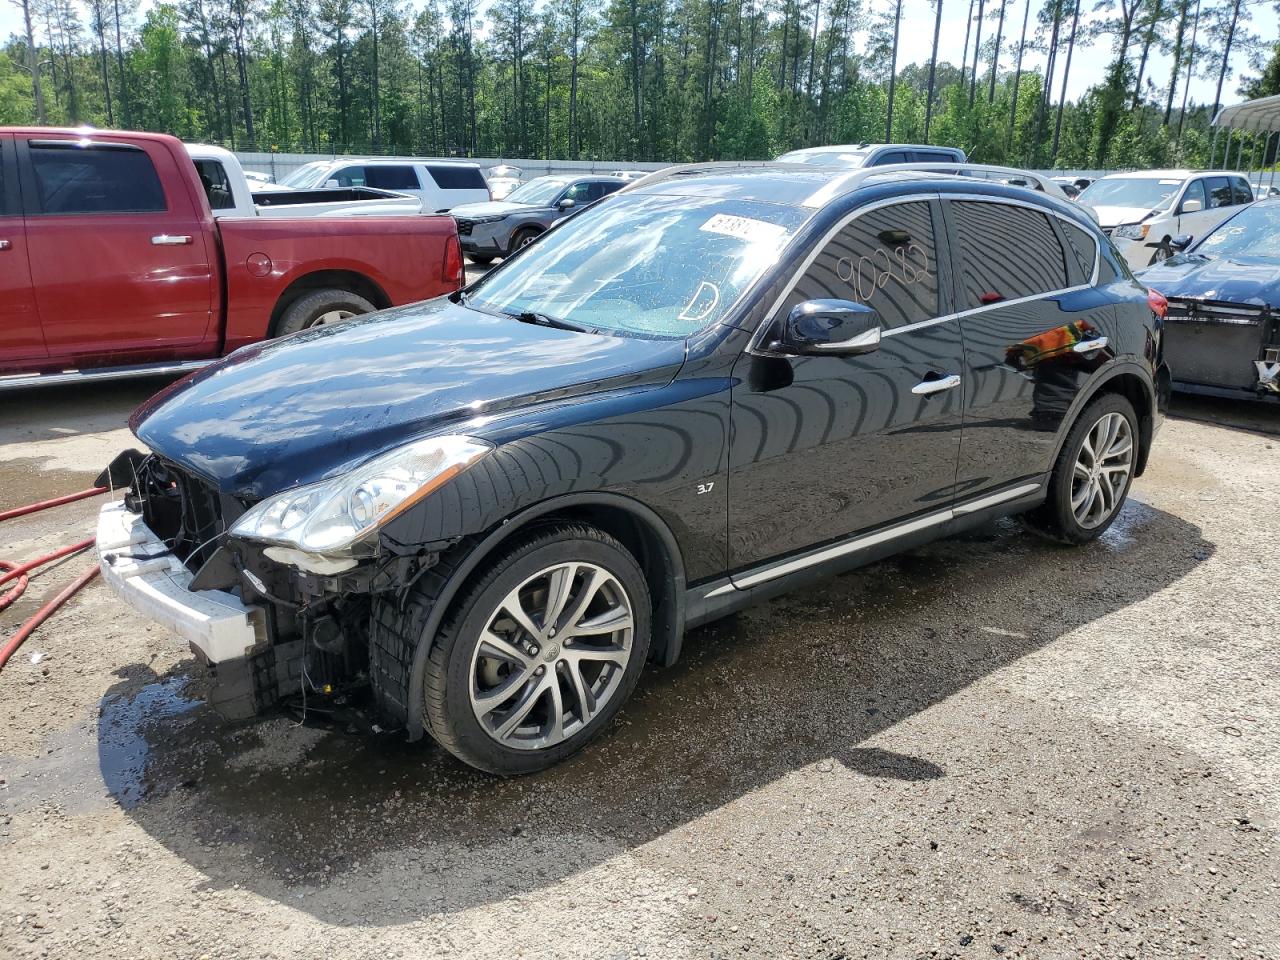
145, 574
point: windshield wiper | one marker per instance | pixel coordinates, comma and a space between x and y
546, 320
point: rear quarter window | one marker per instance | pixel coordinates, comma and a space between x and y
1240, 190
1083, 247
1007, 252
456, 177
94, 179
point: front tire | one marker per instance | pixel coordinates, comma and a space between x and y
1092, 476
522, 238
540, 652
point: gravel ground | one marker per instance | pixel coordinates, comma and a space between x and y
989, 746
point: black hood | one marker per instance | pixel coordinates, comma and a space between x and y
308, 406
1245, 280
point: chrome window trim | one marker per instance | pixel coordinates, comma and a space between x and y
776, 569
754, 346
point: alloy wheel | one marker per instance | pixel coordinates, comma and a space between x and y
551, 656
1102, 470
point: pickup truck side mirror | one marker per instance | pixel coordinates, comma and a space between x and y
829, 327
332, 183
567, 203
1181, 242
1192, 206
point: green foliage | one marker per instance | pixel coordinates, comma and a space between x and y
606, 79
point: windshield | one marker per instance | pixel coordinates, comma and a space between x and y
649, 266
1253, 232
833, 158
538, 192
1151, 193
307, 175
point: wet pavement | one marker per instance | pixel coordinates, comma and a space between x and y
1045, 750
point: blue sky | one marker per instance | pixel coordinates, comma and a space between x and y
917, 38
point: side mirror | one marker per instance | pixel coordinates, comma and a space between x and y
332, 183
1181, 242
830, 327
566, 204
1192, 206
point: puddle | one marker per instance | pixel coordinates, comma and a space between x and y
92, 765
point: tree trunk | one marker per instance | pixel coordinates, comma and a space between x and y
1191, 59
1146, 51
1226, 55
33, 63
995, 54
123, 86
964, 56
1178, 39
893, 73
1017, 79
977, 46
933, 69
1066, 76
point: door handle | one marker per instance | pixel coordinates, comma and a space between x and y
1088, 346
170, 240
5, 244
926, 387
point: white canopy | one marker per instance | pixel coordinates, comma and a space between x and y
1261, 116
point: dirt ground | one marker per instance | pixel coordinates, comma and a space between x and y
989, 746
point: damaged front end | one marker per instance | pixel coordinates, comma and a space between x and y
1223, 348
278, 622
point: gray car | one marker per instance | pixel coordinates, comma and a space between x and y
500, 227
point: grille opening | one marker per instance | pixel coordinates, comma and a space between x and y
180, 508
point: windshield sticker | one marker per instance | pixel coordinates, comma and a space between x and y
744, 228
704, 301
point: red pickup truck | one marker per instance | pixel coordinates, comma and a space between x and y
111, 261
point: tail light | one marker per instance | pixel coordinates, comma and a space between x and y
1157, 302
451, 269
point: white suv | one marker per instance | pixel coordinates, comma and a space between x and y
1145, 210
439, 184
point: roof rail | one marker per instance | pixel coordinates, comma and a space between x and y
841, 185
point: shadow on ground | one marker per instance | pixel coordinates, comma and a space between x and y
805, 679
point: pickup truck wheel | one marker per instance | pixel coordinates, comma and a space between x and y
1092, 476
540, 651
321, 307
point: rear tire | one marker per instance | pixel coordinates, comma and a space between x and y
539, 652
482, 260
1092, 476
321, 307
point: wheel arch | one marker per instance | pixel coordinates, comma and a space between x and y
1131, 381
352, 280
641, 530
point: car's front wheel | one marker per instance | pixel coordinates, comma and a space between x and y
540, 651
1091, 479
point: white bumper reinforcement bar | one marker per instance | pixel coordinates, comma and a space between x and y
142, 571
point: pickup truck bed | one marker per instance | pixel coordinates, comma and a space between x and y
110, 257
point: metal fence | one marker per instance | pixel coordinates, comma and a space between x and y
280, 165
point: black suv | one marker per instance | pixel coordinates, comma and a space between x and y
483, 514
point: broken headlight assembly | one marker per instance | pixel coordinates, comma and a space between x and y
332, 518
1133, 231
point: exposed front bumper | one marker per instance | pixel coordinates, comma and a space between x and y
1136, 253
143, 572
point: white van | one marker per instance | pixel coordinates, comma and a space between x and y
1144, 210
439, 184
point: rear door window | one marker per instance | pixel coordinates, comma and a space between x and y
1219, 192
384, 176
1240, 191
1007, 252
887, 259
451, 176
8, 185
71, 178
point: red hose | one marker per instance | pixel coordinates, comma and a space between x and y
46, 504
18, 572
43, 614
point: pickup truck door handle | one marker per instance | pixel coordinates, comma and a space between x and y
1088, 346
926, 387
170, 240
5, 244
